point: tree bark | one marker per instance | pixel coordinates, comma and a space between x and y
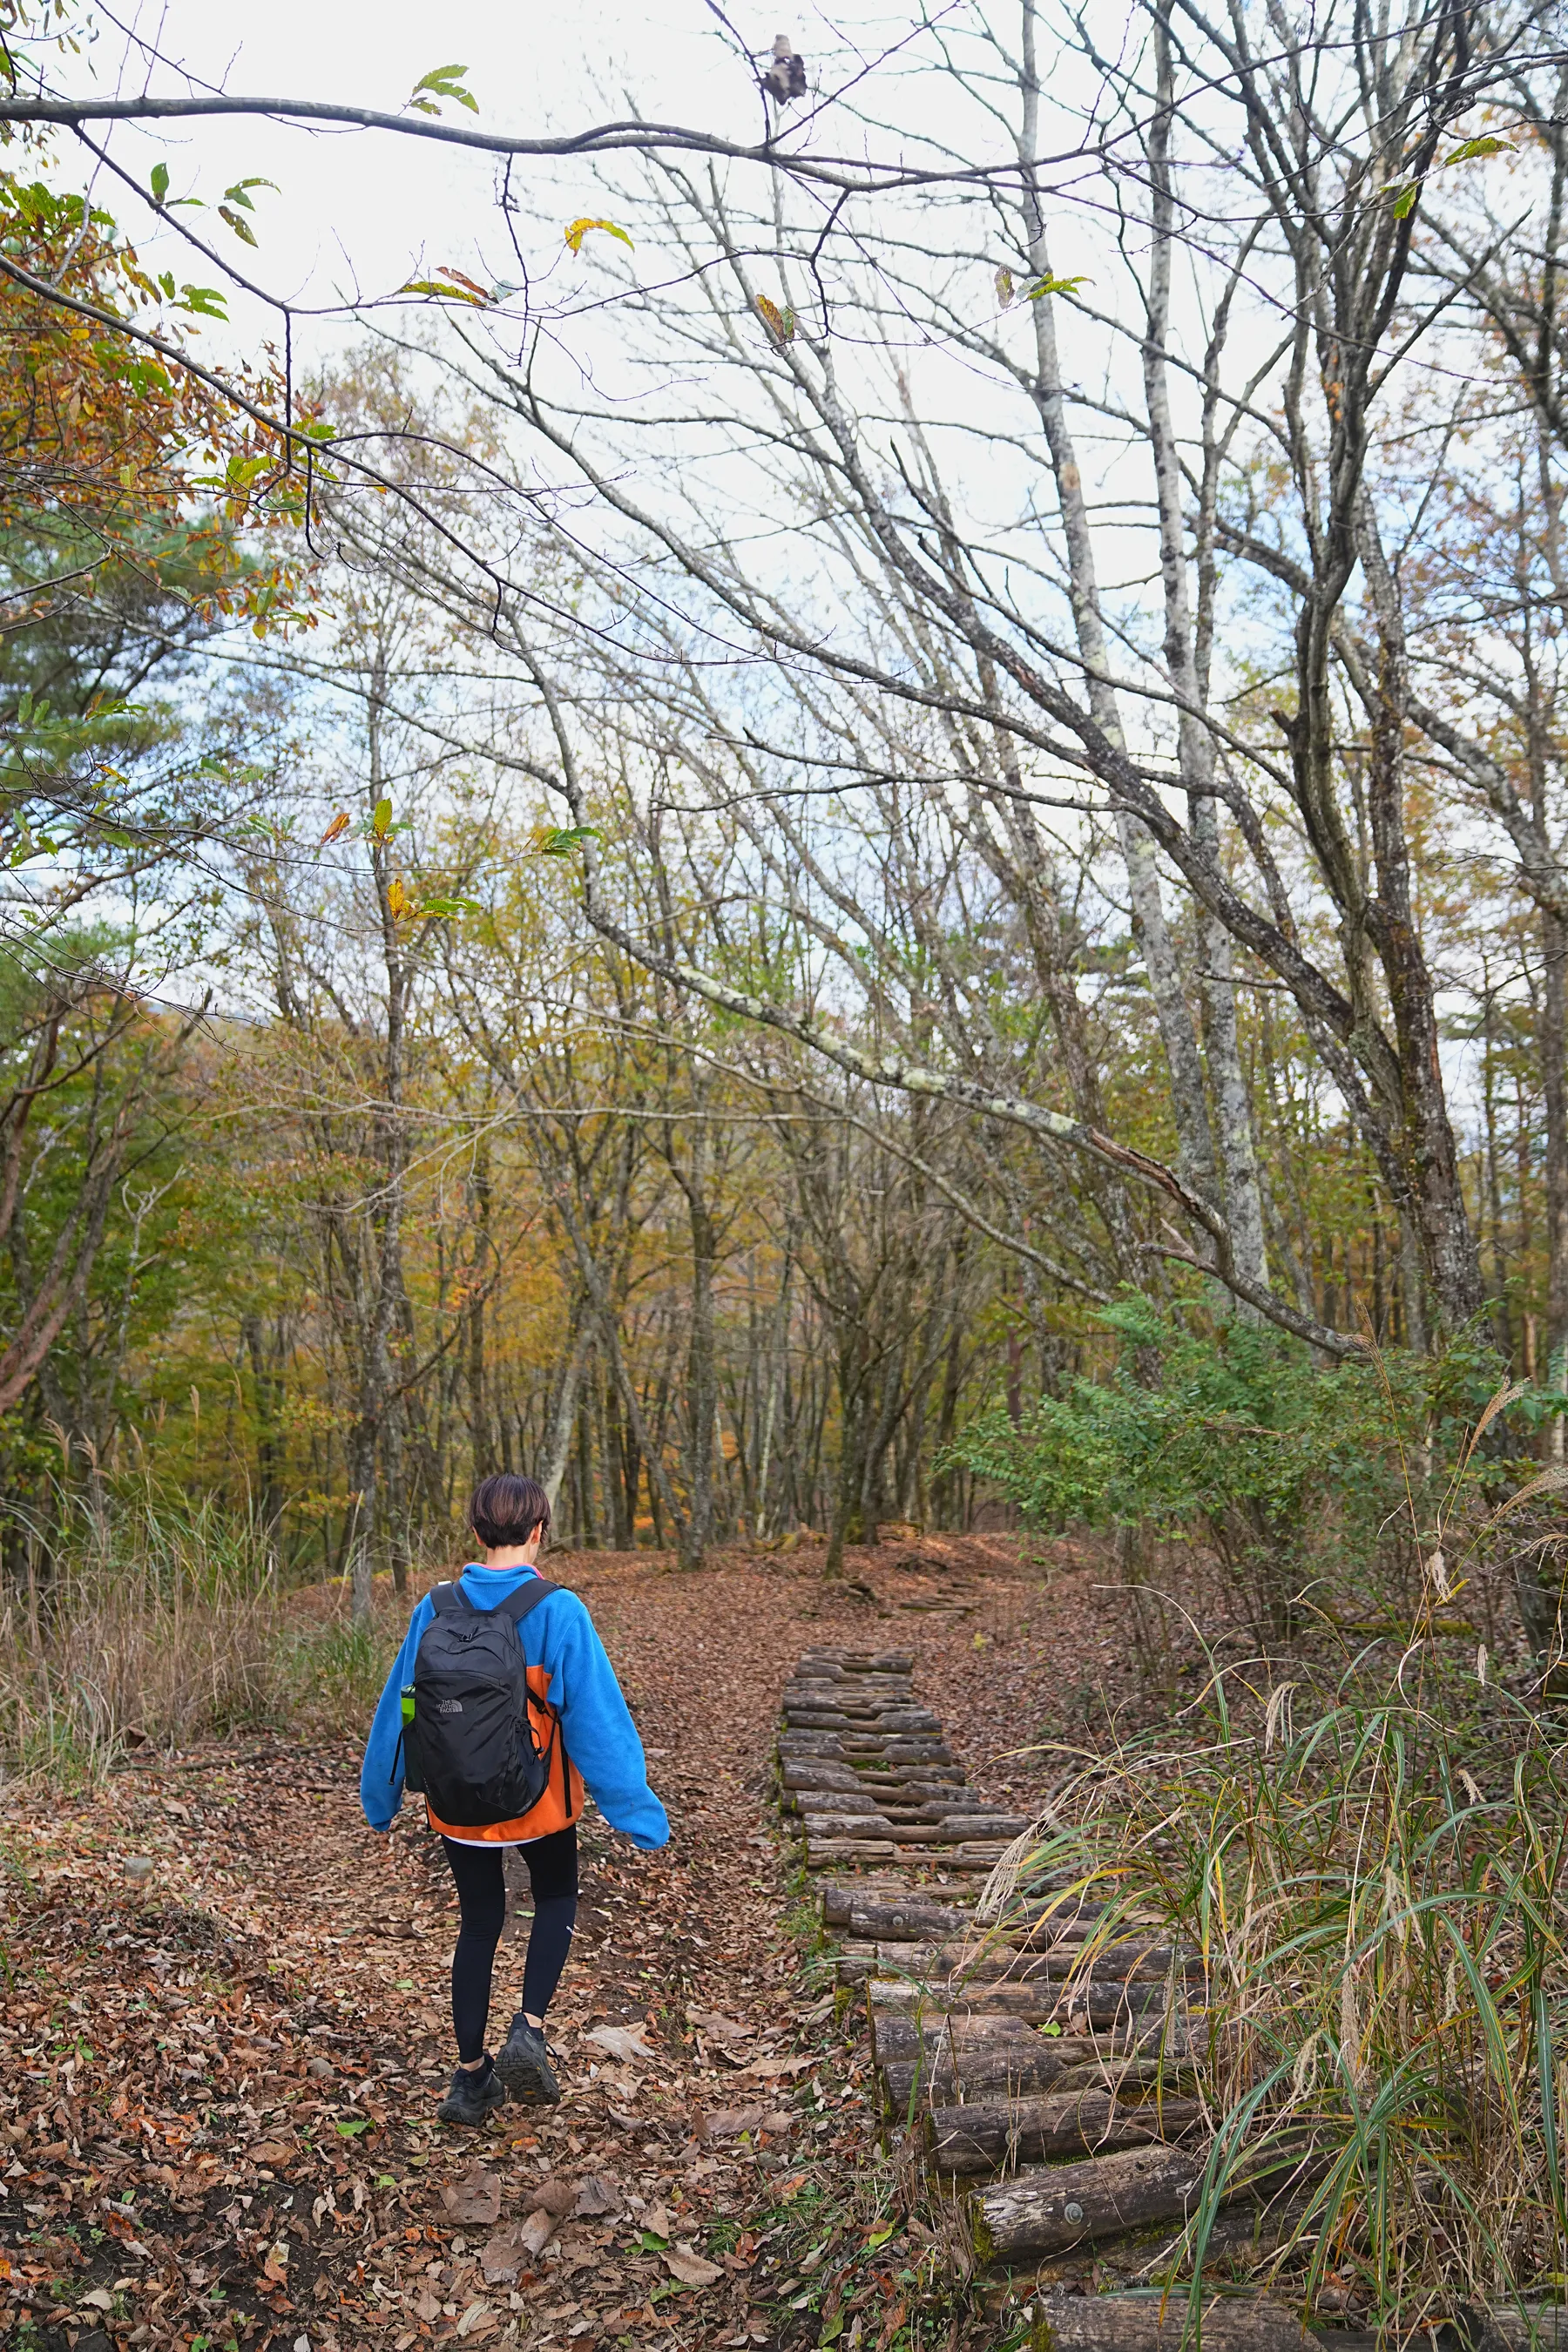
984, 2136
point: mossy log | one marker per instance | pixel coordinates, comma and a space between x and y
982, 2135
1156, 2322
1067, 2205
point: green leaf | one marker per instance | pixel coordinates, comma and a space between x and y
1405, 202
236, 195
1050, 2031
466, 291
442, 81
353, 2131
380, 819
880, 2237
204, 300
242, 229
1473, 148
559, 841
578, 229
160, 182
444, 906
1044, 285
650, 2242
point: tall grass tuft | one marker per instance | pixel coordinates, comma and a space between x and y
1373, 1895
159, 1622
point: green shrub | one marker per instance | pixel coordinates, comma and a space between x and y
1240, 1439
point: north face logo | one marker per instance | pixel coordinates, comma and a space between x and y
450, 1706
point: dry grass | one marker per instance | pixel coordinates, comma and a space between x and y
156, 1626
1374, 1897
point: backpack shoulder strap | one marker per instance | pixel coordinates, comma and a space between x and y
527, 1597
450, 1600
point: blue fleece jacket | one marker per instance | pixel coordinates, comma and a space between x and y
601, 1737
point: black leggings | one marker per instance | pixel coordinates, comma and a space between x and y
480, 1875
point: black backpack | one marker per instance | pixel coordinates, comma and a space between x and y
470, 1747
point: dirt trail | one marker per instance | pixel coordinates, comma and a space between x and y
222, 2075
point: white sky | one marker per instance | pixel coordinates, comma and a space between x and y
360, 209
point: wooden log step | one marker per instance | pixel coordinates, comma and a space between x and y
1060, 2001
913, 1806
1067, 2205
929, 1826
922, 1919
1162, 2323
880, 1747
965, 2047
864, 1661
909, 2086
844, 1686
997, 2070
1044, 2003
916, 1921
906, 1723
895, 2036
839, 1895
828, 1853
978, 1961
981, 2136
798, 1772
827, 1699
944, 1829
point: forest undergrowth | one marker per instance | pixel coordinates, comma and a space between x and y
225, 2016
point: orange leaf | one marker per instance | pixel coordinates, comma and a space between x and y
339, 823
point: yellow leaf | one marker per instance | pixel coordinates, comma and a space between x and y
772, 318
578, 229
396, 899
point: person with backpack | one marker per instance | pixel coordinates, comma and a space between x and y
500, 1707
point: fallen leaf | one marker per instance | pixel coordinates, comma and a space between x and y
100, 2298
656, 2218
596, 2194
779, 2119
535, 2233
720, 2029
271, 2151
771, 2068
689, 2268
471, 2319
501, 2259
557, 2197
475, 2197
728, 2123
622, 2041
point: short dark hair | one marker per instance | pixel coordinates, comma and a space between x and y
507, 1509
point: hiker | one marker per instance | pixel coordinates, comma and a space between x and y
500, 1706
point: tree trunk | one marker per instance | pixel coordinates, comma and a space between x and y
1553, 1035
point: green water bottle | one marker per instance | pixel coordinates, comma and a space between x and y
413, 1779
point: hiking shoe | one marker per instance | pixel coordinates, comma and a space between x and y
474, 2091
523, 2065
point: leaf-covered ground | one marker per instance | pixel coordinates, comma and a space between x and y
225, 2021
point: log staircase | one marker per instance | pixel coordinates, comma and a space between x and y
1041, 2063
